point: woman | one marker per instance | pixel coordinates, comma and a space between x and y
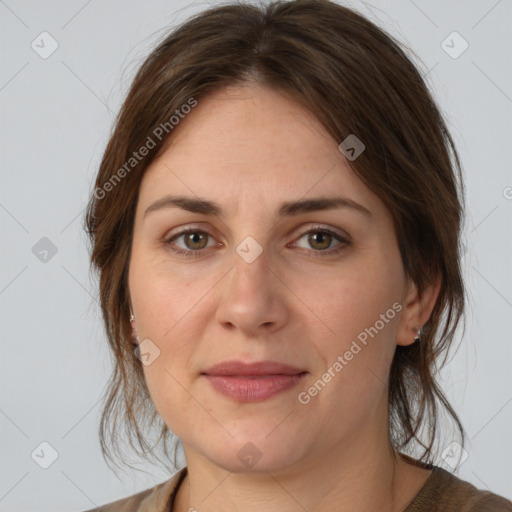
276, 226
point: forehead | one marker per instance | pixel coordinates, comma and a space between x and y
251, 123
255, 143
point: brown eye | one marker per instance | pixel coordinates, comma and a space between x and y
320, 240
190, 242
196, 240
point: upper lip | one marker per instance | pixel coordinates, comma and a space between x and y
247, 369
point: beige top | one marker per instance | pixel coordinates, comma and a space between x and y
442, 492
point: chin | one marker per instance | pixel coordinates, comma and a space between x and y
254, 453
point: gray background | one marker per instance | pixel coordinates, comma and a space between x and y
56, 114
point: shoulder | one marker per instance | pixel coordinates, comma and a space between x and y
154, 499
444, 492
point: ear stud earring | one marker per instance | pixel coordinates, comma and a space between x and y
134, 331
418, 334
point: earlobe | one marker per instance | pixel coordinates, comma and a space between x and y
135, 338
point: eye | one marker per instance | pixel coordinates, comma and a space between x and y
192, 240
321, 240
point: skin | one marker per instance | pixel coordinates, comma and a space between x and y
250, 148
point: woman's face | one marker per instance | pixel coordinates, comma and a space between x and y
273, 274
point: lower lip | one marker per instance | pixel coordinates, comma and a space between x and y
253, 389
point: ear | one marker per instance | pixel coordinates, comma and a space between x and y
416, 310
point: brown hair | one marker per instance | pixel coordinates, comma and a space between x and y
356, 79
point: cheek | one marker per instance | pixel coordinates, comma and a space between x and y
168, 377
164, 297
356, 354
361, 306
354, 298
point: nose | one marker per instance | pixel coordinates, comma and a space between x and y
253, 298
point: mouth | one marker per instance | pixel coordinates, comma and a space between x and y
253, 382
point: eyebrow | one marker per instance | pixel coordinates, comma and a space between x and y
206, 207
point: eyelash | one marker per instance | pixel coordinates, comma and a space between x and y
317, 229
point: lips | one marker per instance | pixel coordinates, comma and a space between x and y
239, 368
253, 382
